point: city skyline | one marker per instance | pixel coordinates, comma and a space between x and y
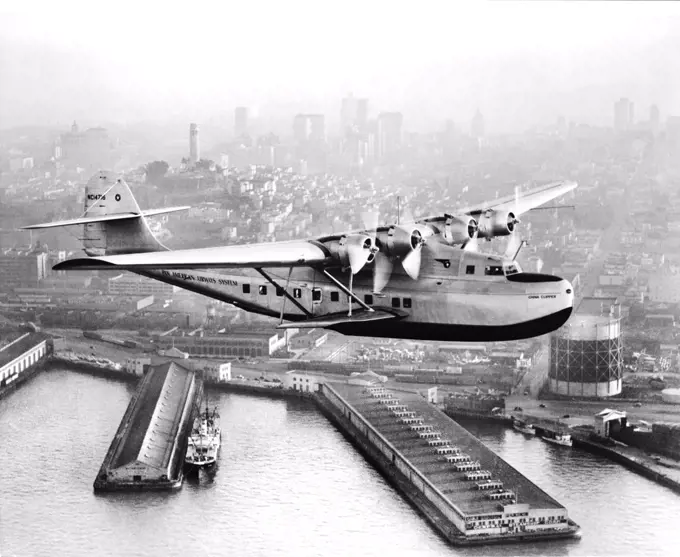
520, 64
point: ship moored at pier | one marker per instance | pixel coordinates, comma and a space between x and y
205, 440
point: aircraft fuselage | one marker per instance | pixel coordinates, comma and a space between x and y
448, 302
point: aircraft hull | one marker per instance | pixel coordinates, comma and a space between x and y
457, 333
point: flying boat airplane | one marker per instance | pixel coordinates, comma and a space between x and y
423, 280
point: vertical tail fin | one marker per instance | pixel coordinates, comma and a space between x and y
107, 195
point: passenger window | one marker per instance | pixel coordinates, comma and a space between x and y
297, 292
395, 303
407, 303
246, 289
493, 270
316, 294
335, 296
368, 299
262, 290
279, 291
470, 270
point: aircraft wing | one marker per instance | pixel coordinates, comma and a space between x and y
296, 253
527, 200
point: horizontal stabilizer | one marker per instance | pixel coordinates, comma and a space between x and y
82, 220
341, 318
295, 253
104, 218
154, 212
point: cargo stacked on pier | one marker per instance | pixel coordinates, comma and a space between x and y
467, 492
148, 449
586, 356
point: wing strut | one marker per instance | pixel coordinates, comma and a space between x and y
285, 291
283, 304
348, 292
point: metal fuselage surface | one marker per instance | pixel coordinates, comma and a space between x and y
454, 299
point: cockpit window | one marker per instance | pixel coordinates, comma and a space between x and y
512, 268
493, 270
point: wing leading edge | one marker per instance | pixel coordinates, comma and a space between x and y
527, 200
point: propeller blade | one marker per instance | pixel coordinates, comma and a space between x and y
513, 246
411, 263
358, 257
472, 244
513, 241
382, 271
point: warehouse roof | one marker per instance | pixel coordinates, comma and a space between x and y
150, 432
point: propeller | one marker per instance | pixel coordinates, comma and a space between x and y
514, 242
405, 244
382, 264
382, 271
360, 251
472, 244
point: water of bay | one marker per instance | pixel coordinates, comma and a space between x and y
288, 484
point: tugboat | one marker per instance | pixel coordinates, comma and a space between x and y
523, 427
559, 439
204, 441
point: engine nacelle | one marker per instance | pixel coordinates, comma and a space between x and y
496, 223
459, 229
400, 240
354, 250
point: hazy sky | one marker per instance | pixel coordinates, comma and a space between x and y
521, 63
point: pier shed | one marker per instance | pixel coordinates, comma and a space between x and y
19, 356
609, 421
148, 449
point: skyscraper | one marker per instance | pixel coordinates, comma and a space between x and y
309, 128
194, 149
317, 127
623, 114
477, 125
240, 121
362, 114
654, 118
354, 112
300, 128
389, 132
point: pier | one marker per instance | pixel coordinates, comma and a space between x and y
148, 449
468, 494
21, 359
